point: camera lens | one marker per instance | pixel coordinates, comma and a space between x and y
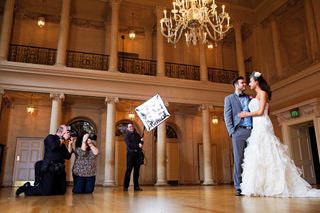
92, 136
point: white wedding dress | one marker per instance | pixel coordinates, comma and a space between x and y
267, 168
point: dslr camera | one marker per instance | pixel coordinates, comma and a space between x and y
92, 136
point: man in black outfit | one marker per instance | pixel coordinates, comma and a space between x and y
134, 151
53, 175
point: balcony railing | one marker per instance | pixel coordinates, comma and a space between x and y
137, 66
87, 60
221, 75
182, 71
31, 54
47, 56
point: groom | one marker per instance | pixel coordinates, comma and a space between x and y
239, 129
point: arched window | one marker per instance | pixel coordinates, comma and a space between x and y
83, 125
170, 131
121, 127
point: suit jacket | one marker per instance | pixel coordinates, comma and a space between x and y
232, 107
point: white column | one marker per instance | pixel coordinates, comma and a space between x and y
64, 32
109, 177
208, 176
160, 53
161, 155
56, 109
6, 29
276, 47
203, 63
239, 50
113, 62
1, 96
312, 29
148, 44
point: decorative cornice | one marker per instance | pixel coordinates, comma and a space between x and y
306, 108
93, 24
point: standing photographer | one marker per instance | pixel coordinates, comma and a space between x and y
134, 158
84, 167
53, 181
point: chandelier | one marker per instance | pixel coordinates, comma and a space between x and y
199, 18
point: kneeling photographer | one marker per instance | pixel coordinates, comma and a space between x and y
50, 172
84, 167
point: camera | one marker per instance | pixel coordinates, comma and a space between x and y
73, 133
92, 136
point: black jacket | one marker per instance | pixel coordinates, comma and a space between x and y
54, 151
132, 140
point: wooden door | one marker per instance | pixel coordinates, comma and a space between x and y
28, 151
173, 166
302, 153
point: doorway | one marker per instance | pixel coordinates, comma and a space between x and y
28, 152
305, 151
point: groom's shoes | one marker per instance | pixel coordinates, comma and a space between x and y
238, 192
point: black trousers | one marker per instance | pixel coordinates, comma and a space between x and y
132, 163
52, 183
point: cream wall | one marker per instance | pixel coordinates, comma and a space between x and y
26, 32
21, 124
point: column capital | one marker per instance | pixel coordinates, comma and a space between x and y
158, 11
2, 91
115, 2
111, 99
205, 106
57, 96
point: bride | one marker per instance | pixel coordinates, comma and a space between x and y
267, 168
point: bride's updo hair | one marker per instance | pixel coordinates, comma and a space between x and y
257, 76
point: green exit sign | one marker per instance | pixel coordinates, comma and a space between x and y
294, 113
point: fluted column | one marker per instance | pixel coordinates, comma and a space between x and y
113, 63
203, 63
276, 47
64, 32
1, 96
109, 177
6, 29
239, 50
56, 109
312, 29
160, 52
208, 176
161, 155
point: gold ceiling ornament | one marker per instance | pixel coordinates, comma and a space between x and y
198, 18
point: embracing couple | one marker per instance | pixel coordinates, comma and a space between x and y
262, 166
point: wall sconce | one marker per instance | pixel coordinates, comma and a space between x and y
132, 34
30, 109
41, 21
131, 115
215, 119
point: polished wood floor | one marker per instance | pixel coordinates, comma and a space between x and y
155, 199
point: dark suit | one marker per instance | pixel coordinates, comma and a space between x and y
53, 175
132, 140
232, 107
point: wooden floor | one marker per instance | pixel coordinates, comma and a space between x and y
155, 199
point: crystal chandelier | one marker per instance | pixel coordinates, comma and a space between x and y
198, 18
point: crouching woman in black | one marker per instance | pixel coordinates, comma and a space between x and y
84, 167
53, 175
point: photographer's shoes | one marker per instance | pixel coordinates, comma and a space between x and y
125, 189
138, 189
22, 189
